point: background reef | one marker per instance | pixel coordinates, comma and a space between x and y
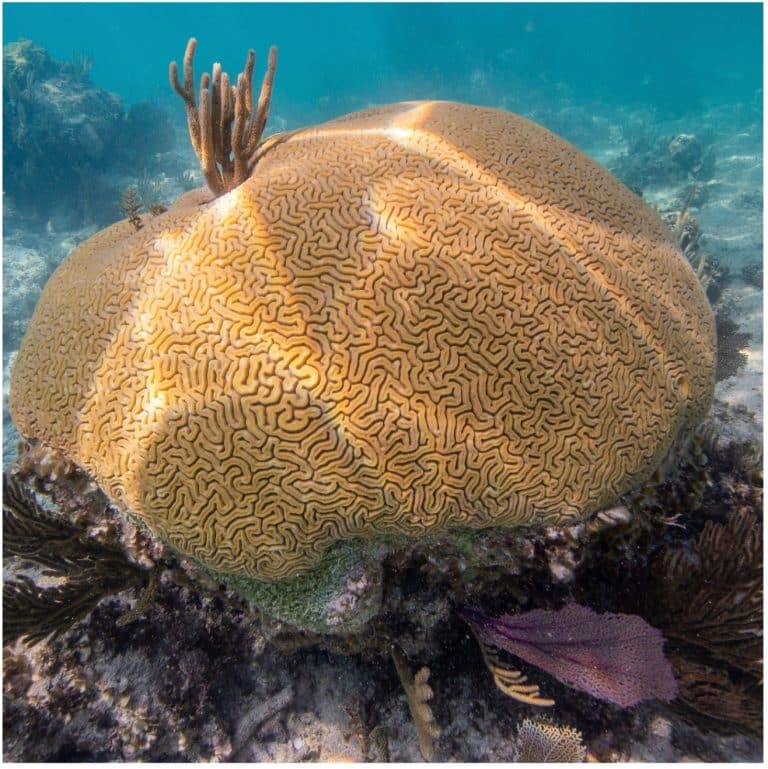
65, 141
195, 675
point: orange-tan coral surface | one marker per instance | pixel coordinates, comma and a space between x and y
411, 318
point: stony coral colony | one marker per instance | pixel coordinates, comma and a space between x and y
421, 355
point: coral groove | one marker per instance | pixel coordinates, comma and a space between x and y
409, 319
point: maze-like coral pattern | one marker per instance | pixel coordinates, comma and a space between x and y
411, 318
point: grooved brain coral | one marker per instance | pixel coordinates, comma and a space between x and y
412, 318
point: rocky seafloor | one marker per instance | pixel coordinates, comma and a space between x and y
198, 676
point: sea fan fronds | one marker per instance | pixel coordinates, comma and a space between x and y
544, 742
615, 657
708, 599
28, 527
714, 701
85, 570
712, 596
33, 612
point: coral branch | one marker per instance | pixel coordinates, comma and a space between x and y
261, 710
224, 128
145, 600
187, 92
418, 693
510, 681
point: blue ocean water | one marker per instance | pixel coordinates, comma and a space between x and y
678, 57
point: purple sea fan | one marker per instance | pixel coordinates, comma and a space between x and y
615, 657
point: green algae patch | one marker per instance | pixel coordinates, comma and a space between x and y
339, 595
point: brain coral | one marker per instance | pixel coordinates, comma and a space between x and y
412, 318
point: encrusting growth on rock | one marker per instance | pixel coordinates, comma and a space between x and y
225, 129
